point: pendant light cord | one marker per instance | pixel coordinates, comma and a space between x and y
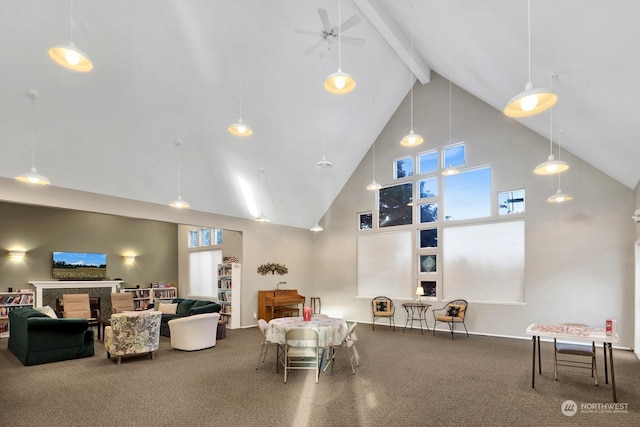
551, 119
71, 20
449, 110
33, 131
179, 145
339, 34
262, 192
529, 33
411, 75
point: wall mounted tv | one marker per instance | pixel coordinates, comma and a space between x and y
79, 266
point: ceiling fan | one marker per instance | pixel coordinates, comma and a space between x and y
329, 33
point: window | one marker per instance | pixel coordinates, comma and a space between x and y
194, 238
428, 212
427, 263
428, 162
403, 168
427, 187
511, 202
205, 237
428, 238
428, 288
395, 205
468, 195
365, 221
453, 155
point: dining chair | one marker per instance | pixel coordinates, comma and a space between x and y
349, 345
575, 349
301, 351
383, 307
78, 306
122, 301
266, 344
454, 313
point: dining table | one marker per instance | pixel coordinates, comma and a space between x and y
331, 331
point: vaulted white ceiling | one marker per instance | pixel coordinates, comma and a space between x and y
185, 70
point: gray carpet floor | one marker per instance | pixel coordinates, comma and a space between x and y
404, 379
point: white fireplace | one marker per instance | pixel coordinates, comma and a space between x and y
74, 284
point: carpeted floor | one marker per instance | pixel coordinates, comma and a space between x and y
405, 379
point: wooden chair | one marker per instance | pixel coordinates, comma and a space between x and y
383, 307
454, 313
77, 306
122, 301
575, 349
301, 350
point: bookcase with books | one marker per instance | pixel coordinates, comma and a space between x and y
10, 301
163, 291
229, 277
143, 297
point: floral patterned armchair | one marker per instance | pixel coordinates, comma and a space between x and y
133, 333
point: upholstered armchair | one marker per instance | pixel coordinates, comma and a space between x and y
133, 333
122, 301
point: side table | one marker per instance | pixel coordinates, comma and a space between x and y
416, 311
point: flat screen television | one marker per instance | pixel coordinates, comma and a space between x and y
79, 266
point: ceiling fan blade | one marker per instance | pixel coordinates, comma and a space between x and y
351, 22
324, 17
352, 40
313, 46
307, 32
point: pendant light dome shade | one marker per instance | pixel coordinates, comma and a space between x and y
530, 102
316, 228
33, 177
70, 57
411, 139
551, 166
559, 197
262, 218
179, 203
240, 128
339, 83
374, 186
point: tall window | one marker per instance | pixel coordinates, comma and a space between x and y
468, 195
453, 155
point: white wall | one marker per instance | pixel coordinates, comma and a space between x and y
579, 255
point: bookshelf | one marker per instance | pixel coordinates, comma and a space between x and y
144, 296
229, 280
10, 301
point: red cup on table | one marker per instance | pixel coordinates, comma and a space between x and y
306, 313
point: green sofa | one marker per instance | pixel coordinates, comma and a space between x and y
37, 338
186, 307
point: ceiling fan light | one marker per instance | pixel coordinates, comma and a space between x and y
240, 128
411, 139
530, 102
374, 186
559, 197
339, 83
33, 177
179, 203
71, 58
551, 166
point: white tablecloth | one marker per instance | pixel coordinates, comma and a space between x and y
331, 332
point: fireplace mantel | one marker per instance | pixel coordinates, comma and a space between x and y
72, 284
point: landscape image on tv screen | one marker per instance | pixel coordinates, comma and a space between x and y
79, 266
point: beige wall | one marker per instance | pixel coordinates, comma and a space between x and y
579, 255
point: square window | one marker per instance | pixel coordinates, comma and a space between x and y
428, 263
428, 187
429, 288
403, 168
428, 238
428, 212
428, 162
453, 155
396, 205
511, 202
365, 221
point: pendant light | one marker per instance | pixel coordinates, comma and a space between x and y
411, 139
240, 128
559, 197
323, 163
69, 56
450, 170
261, 217
179, 203
33, 177
374, 185
551, 166
533, 100
316, 228
339, 83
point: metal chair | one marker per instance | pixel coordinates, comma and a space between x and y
454, 313
575, 349
263, 325
383, 307
301, 351
350, 347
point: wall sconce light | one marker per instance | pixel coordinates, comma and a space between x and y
17, 254
129, 259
